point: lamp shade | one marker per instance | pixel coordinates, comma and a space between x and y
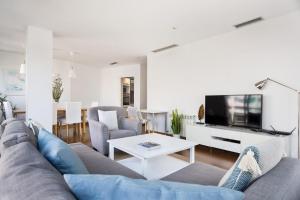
261, 84
72, 73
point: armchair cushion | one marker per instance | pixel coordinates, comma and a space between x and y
114, 134
109, 118
131, 124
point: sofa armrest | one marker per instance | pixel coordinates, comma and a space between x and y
131, 124
99, 134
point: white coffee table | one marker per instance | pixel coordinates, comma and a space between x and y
153, 164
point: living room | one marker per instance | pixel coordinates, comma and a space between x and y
148, 81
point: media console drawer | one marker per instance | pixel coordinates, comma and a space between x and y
226, 144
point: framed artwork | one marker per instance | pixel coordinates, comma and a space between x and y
13, 82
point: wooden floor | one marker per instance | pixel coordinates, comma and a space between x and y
217, 157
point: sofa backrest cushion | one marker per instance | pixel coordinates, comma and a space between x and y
19, 127
13, 139
282, 182
4, 123
15, 131
60, 154
94, 187
26, 174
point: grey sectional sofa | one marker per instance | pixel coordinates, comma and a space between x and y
26, 174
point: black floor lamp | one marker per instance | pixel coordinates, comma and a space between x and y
260, 85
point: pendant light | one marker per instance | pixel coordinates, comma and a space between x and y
72, 73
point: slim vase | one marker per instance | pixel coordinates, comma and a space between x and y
176, 136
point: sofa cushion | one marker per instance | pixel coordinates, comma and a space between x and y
114, 134
4, 123
26, 174
280, 183
96, 163
95, 187
198, 173
13, 128
13, 139
59, 154
18, 126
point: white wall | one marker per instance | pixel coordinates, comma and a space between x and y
85, 87
39, 68
230, 64
110, 84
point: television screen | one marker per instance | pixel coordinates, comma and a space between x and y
234, 110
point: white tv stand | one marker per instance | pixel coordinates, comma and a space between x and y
230, 139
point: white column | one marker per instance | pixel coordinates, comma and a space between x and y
39, 60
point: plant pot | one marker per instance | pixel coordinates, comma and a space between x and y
176, 135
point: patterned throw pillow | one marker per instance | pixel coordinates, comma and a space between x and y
245, 170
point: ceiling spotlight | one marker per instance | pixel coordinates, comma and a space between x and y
249, 22
165, 48
71, 53
113, 63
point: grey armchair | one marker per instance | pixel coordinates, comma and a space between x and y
99, 132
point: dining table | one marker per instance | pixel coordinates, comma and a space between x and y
61, 112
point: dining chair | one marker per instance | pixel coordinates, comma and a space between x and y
72, 117
135, 113
94, 104
8, 111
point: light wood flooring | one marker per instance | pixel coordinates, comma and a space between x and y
217, 157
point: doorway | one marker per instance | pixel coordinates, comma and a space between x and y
127, 91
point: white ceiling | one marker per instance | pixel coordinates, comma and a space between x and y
104, 31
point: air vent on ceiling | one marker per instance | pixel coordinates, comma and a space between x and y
113, 63
252, 21
165, 48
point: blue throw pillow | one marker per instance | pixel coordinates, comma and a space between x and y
95, 187
59, 154
244, 171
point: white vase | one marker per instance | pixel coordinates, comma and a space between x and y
176, 135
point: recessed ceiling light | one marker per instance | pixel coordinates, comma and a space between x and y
174, 28
252, 21
165, 48
113, 63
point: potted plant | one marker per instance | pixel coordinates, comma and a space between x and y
57, 88
176, 123
2, 113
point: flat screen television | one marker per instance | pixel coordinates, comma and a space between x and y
234, 110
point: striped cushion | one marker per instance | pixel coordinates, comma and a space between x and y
240, 178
